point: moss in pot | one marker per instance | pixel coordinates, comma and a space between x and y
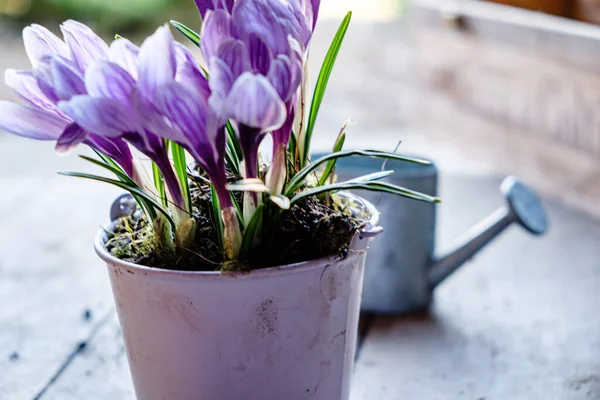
212, 222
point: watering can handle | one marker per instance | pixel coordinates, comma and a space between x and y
523, 208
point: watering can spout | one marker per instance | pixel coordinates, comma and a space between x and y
523, 208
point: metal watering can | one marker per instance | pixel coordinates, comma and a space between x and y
402, 269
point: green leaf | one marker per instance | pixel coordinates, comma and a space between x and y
110, 165
134, 190
187, 32
238, 208
292, 145
109, 161
371, 177
337, 147
180, 164
216, 210
233, 153
322, 81
234, 139
250, 232
159, 183
117, 171
295, 183
370, 186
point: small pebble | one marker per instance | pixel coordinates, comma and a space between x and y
14, 356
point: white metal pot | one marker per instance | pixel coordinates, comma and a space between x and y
282, 333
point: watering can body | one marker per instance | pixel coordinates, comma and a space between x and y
402, 267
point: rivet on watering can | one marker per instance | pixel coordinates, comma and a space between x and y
523, 208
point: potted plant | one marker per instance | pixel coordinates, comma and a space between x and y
234, 278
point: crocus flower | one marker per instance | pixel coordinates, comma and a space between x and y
259, 39
158, 93
180, 92
172, 80
255, 52
57, 75
113, 105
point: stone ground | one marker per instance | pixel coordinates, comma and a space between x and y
55, 294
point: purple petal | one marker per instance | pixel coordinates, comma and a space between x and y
250, 139
84, 44
187, 109
215, 30
24, 84
40, 43
146, 142
109, 80
188, 71
260, 55
157, 61
272, 21
316, 4
45, 79
282, 135
115, 148
125, 54
70, 138
283, 77
255, 103
153, 120
30, 122
308, 10
206, 5
103, 116
221, 82
198, 130
235, 54
68, 82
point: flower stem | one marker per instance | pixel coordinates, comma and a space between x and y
171, 181
163, 236
278, 171
232, 240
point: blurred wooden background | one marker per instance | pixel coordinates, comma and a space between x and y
518, 90
583, 10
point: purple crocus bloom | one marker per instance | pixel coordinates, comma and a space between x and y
57, 75
175, 87
205, 5
255, 51
180, 92
118, 103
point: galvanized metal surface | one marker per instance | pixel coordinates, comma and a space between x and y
520, 322
403, 268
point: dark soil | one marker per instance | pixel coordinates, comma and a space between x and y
309, 230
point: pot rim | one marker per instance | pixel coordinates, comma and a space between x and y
369, 230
